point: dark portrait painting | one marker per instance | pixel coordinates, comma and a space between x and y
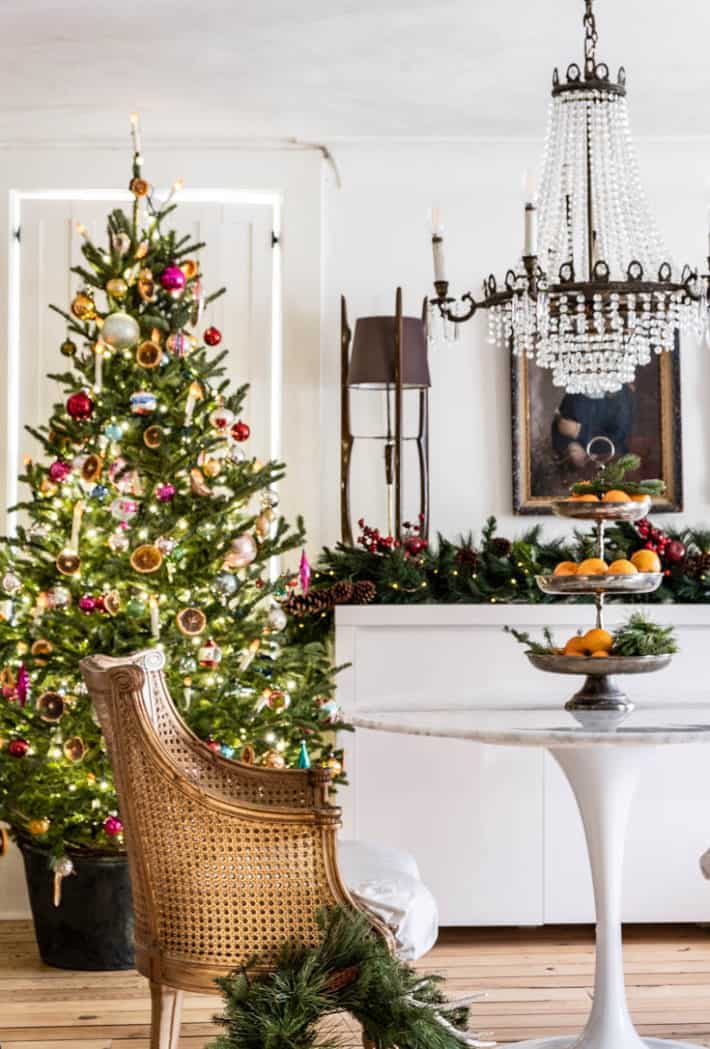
552, 431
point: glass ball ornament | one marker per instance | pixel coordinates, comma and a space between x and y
226, 751
123, 509
113, 826
240, 431
87, 603
242, 551
68, 348
277, 619
11, 583
83, 307
113, 431
59, 470
117, 288
181, 343
212, 336
172, 278
17, 748
80, 406
165, 544
38, 827
164, 493
135, 608
221, 419
118, 542
226, 583
59, 597
120, 330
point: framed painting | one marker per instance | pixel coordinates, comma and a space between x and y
552, 431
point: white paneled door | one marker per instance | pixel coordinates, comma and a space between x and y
239, 255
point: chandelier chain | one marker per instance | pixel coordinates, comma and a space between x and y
591, 38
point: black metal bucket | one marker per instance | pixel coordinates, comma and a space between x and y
92, 928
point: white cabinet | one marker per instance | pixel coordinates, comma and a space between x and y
495, 830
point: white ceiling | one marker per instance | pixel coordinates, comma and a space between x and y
331, 69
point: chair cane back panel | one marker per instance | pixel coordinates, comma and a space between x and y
227, 861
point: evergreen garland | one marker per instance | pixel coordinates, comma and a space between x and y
498, 570
350, 970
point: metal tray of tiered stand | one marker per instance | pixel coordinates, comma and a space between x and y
600, 692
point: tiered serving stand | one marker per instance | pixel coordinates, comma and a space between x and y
600, 691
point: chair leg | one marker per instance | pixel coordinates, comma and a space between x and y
166, 1006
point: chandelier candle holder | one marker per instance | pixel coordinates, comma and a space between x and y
600, 693
594, 295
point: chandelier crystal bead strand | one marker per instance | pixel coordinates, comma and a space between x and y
595, 294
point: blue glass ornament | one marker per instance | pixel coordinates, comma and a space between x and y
99, 491
304, 759
226, 751
113, 431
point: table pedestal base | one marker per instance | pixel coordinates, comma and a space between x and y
574, 1041
603, 779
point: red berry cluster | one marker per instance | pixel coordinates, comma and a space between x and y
414, 543
669, 550
373, 541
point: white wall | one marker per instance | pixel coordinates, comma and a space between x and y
377, 238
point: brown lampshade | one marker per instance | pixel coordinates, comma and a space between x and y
372, 360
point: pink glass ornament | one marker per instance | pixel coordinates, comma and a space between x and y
172, 278
59, 471
113, 826
87, 603
165, 492
23, 685
304, 572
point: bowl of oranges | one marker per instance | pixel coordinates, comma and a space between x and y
639, 574
614, 504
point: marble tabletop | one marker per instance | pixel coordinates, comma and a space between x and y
548, 726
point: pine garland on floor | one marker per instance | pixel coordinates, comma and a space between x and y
350, 970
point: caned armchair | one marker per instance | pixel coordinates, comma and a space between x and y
227, 860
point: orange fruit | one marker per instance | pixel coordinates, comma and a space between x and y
615, 495
575, 647
639, 498
622, 567
598, 640
646, 561
587, 497
600, 654
565, 568
592, 566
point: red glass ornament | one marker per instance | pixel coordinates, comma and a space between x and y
240, 431
172, 278
80, 405
113, 826
17, 748
212, 336
675, 551
213, 745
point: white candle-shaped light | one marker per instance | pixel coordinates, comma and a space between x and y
437, 245
194, 395
82, 230
135, 132
76, 526
530, 193
154, 616
98, 367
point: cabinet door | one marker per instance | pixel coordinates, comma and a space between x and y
669, 828
470, 814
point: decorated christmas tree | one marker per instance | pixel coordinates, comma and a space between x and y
148, 521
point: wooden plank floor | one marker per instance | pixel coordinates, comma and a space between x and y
538, 982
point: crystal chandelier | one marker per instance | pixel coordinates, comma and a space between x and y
594, 295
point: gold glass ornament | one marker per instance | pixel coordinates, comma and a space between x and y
68, 348
83, 307
273, 760
333, 765
117, 287
146, 286
51, 706
149, 354
41, 650
189, 267
68, 562
152, 437
139, 187
38, 827
191, 621
74, 748
47, 487
146, 559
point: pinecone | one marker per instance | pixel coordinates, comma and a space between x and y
342, 592
501, 547
342, 978
310, 604
697, 565
467, 559
364, 592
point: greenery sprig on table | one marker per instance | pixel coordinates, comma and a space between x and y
350, 970
612, 477
638, 636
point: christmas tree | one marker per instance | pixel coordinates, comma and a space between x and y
148, 522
